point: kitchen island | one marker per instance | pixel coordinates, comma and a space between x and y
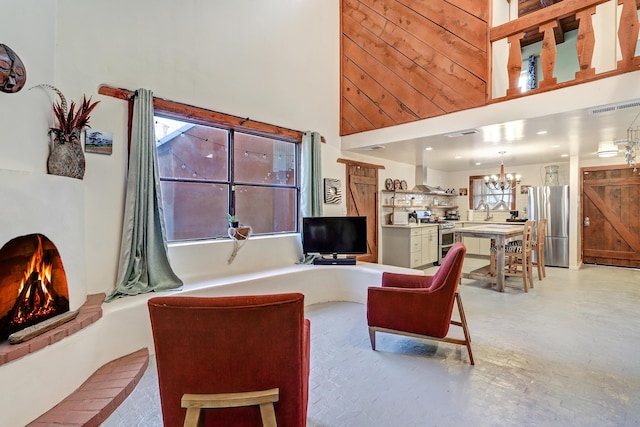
498, 232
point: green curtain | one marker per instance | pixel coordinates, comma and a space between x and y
311, 172
144, 263
311, 181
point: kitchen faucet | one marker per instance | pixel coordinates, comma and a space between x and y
488, 217
485, 206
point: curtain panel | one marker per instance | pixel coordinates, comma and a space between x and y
144, 262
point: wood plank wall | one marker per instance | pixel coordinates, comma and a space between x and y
407, 60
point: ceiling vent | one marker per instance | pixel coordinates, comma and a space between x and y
461, 133
615, 107
372, 148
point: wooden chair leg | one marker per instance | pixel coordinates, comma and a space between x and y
523, 260
541, 262
538, 264
530, 269
372, 338
465, 328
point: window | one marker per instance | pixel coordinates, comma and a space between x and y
480, 194
207, 171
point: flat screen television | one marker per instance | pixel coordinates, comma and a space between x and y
336, 235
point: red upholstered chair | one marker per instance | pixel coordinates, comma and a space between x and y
420, 306
257, 346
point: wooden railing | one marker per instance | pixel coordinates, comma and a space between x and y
545, 21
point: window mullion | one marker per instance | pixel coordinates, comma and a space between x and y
232, 184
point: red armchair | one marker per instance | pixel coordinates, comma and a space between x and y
214, 346
420, 306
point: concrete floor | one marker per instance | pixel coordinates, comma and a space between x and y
564, 354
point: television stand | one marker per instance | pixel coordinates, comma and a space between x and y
334, 260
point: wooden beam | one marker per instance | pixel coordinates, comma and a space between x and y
363, 164
182, 111
534, 19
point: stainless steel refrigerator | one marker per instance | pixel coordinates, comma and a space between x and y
552, 203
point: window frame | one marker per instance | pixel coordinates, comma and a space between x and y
232, 124
512, 192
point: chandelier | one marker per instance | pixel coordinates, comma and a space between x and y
631, 147
502, 182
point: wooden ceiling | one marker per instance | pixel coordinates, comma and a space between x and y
529, 6
406, 60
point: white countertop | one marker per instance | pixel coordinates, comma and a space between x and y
411, 225
458, 223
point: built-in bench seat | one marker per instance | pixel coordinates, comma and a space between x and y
124, 328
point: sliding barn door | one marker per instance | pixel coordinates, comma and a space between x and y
362, 200
611, 216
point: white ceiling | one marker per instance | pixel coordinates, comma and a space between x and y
573, 133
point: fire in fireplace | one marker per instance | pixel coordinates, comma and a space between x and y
33, 284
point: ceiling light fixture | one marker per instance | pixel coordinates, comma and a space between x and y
461, 133
502, 182
607, 149
631, 146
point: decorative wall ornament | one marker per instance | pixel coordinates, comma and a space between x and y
332, 191
66, 157
13, 74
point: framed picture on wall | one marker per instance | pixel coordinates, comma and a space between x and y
524, 189
96, 141
332, 192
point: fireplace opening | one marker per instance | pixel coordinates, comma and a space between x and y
33, 284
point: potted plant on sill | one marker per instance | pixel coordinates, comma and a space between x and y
236, 230
233, 222
66, 157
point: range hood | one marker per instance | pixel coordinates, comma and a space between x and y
427, 189
421, 181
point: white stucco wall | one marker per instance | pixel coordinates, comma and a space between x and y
27, 27
274, 61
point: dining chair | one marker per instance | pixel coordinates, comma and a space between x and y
518, 255
538, 247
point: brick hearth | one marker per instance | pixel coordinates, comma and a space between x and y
92, 403
88, 313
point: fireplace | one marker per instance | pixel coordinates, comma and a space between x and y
33, 283
48, 209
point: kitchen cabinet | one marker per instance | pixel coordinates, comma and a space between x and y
429, 245
409, 246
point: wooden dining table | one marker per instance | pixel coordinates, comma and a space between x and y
500, 233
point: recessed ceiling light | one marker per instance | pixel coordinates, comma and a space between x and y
458, 157
478, 163
428, 149
372, 148
564, 155
542, 132
461, 133
555, 146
